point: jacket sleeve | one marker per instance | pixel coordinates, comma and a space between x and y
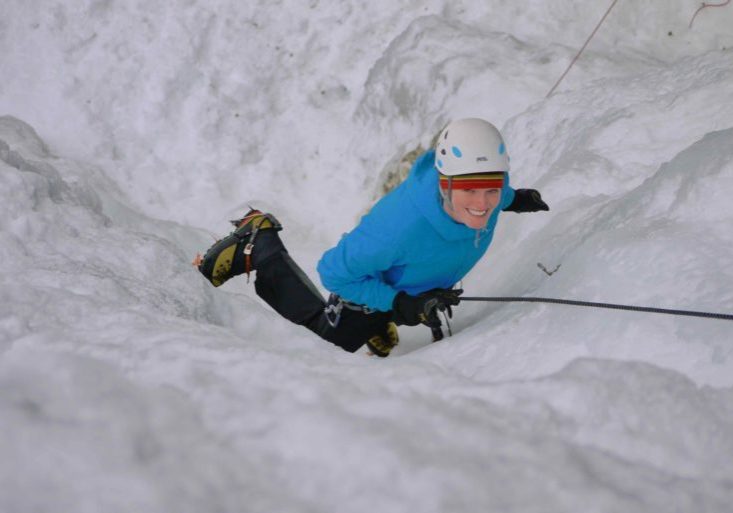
354, 269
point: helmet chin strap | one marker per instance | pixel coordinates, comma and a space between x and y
447, 195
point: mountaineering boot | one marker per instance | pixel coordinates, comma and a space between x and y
382, 343
253, 242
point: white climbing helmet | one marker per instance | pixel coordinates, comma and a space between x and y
469, 146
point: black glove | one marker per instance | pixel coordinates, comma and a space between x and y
527, 200
423, 308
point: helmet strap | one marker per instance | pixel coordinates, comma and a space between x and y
447, 195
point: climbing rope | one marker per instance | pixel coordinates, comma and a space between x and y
583, 48
709, 315
705, 5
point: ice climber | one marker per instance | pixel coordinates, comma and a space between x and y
399, 265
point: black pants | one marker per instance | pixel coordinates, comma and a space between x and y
287, 289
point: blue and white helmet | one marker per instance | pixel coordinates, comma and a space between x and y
469, 146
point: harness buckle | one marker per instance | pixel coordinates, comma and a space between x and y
336, 304
333, 308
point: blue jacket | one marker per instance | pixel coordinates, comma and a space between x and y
406, 242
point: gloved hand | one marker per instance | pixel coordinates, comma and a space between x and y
527, 200
423, 308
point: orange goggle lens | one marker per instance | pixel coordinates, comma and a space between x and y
474, 181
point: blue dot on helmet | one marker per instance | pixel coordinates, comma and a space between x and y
457, 151
502, 149
440, 163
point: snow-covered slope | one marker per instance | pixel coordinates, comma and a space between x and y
130, 133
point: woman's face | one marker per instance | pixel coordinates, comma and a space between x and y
472, 207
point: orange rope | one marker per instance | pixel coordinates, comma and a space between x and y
583, 48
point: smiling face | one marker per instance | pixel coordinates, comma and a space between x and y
472, 207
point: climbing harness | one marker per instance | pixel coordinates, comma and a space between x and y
336, 304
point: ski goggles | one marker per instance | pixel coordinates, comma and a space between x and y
494, 180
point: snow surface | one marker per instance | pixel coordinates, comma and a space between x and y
131, 131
